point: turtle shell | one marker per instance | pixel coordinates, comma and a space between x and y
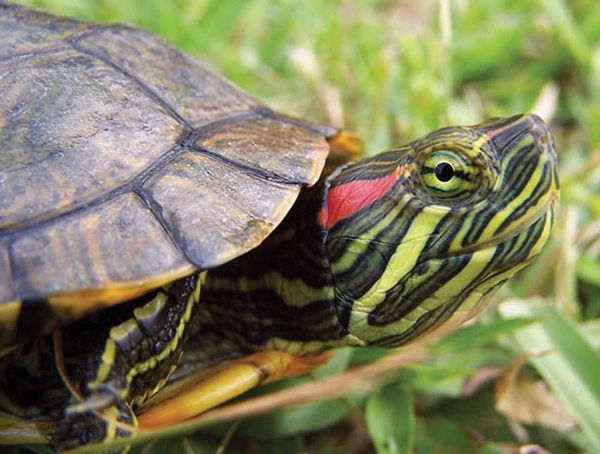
125, 164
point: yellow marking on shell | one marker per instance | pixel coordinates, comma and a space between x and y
68, 307
89, 230
9, 316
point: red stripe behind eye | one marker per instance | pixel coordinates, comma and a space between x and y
348, 198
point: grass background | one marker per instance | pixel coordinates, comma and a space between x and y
526, 374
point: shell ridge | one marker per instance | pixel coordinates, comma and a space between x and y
36, 53
137, 181
259, 174
157, 211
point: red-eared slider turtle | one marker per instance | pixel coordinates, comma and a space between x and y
149, 209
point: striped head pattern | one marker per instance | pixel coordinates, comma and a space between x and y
419, 236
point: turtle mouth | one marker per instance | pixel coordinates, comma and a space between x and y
516, 229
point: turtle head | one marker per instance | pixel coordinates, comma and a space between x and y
421, 235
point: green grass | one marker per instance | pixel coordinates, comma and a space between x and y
390, 71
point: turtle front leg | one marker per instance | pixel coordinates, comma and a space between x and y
113, 368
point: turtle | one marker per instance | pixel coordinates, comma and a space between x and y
159, 224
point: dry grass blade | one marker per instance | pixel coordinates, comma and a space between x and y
361, 379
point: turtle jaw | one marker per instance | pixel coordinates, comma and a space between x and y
548, 209
467, 280
499, 259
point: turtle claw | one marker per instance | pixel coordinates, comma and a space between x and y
82, 426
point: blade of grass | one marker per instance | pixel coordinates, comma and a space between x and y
563, 19
391, 420
474, 336
571, 367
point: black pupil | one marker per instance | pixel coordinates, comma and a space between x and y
444, 171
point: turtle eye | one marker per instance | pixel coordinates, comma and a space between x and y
448, 174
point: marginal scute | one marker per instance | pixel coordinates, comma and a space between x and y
216, 211
282, 151
118, 241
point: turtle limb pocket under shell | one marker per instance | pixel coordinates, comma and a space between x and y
110, 363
